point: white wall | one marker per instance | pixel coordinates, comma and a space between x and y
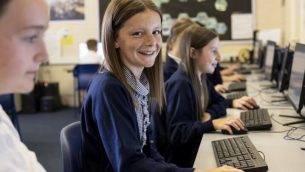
269, 14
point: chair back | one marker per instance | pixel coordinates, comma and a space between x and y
84, 73
70, 142
7, 102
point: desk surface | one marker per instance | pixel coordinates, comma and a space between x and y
280, 155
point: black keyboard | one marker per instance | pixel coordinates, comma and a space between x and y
257, 119
238, 152
244, 71
239, 86
237, 95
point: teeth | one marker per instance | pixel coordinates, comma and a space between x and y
147, 53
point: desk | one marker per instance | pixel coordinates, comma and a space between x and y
280, 155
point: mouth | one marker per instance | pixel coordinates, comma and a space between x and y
147, 53
32, 73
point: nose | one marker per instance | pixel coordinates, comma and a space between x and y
42, 55
218, 57
150, 40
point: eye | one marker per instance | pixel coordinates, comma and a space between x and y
137, 34
157, 32
31, 39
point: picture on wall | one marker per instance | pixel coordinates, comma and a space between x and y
67, 10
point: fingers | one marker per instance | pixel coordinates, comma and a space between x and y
221, 88
236, 123
226, 168
245, 103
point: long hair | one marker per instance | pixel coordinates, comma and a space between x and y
195, 37
117, 13
178, 27
3, 6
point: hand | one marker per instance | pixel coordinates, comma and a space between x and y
225, 123
221, 88
205, 117
244, 103
224, 168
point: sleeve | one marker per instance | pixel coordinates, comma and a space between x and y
183, 126
118, 129
229, 103
215, 78
217, 103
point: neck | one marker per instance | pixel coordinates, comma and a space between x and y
175, 52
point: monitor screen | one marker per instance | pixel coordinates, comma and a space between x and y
284, 73
83, 49
269, 58
256, 51
297, 78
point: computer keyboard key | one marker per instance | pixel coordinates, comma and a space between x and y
257, 119
250, 161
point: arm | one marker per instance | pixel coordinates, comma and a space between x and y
217, 103
182, 122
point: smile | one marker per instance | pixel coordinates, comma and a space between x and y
147, 52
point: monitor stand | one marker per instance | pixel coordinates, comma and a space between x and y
302, 120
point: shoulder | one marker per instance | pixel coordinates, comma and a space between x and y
105, 82
178, 80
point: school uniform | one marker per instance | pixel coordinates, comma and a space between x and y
170, 66
185, 130
216, 79
115, 136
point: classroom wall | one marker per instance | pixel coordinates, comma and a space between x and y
269, 14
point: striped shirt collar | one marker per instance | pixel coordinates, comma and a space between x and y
140, 86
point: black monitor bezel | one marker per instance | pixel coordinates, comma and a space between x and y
284, 74
269, 76
298, 108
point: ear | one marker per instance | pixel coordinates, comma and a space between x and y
193, 53
116, 45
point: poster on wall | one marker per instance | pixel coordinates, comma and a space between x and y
67, 10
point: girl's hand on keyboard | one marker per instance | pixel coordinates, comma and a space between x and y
225, 123
244, 103
221, 88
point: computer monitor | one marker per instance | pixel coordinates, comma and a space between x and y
284, 73
257, 51
269, 59
296, 90
83, 49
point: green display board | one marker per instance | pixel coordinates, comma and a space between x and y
214, 14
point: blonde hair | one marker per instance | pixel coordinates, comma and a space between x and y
178, 27
195, 37
117, 13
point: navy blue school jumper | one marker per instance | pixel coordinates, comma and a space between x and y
185, 131
215, 78
169, 68
111, 140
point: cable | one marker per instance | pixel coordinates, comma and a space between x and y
290, 132
262, 154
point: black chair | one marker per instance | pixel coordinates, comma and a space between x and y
7, 102
70, 142
83, 75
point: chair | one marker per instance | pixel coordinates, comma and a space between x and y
83, 75
70, 142
7, 102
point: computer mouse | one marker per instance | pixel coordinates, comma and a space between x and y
235, 131
256, 107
